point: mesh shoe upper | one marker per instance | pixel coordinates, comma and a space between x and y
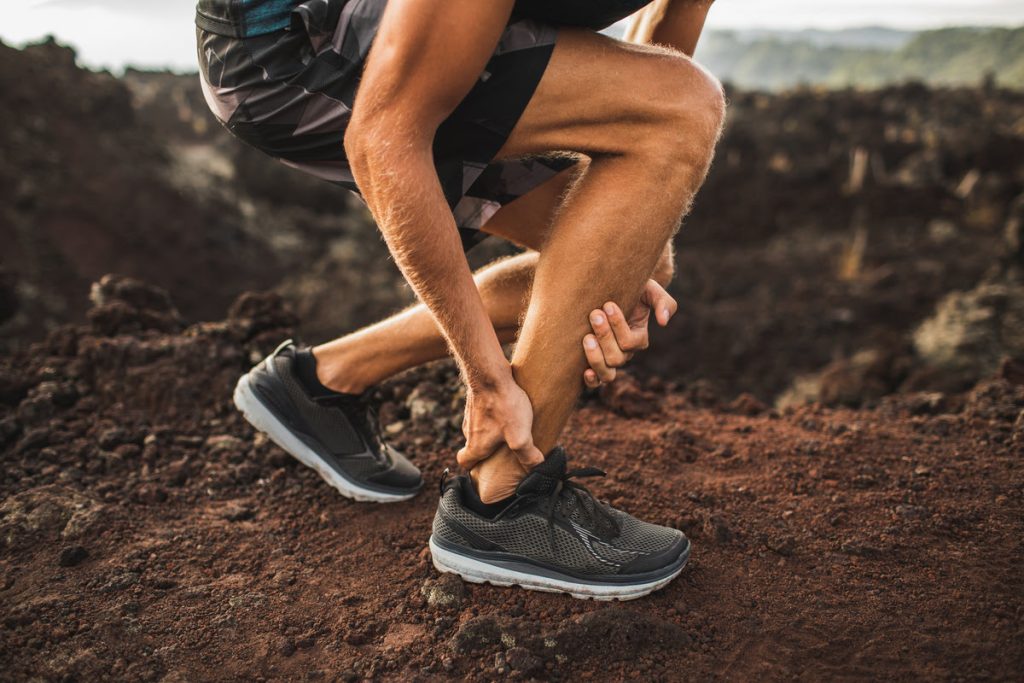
557, 523
341, 429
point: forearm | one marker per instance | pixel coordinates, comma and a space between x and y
405, 197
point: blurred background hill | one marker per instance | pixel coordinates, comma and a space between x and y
865, 57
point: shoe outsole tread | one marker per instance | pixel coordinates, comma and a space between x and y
476, 571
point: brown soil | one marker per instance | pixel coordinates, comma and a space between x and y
146, 533
832, 223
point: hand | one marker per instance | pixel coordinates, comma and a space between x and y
616, 338
497, 418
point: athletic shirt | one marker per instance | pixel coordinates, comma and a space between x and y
244, 18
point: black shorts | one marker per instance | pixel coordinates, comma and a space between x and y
290, 93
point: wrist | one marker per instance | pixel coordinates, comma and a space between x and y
490, 380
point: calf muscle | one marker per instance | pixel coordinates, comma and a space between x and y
612, 228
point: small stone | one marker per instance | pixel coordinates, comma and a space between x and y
112, 438
164, 583
239, 513
863, 481
151, 494
784, 546
284, 647
279, 458
476, 634
747, 404
224, 443
522, 660
717, 528
34, 439
72, 556
911, 511
860, 549
9, 430
422, 408
446, 591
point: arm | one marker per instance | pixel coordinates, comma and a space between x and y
677, 23
426, 57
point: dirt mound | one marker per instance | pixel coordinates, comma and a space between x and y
832, 227
834, 223
147, 533
97, 177
83, 191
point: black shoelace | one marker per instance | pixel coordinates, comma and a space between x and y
595, 514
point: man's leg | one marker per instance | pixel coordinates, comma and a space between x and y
357, 361
648, 119
360, 360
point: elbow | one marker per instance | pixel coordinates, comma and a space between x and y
386, 142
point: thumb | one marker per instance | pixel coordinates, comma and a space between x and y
470, 456
529, 455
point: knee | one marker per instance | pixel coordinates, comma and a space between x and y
690, 113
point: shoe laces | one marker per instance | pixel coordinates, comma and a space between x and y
595, 514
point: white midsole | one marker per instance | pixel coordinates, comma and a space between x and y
262, 419
477, 571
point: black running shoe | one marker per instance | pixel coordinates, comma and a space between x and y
335, 434
553, 535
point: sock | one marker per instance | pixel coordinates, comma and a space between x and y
471, 499
305, 370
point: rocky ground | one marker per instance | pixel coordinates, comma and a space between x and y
146, 533
834, 226
836, 417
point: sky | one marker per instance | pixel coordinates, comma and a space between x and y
160, 33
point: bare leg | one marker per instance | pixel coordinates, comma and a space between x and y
357, 361
649, 154
360, 360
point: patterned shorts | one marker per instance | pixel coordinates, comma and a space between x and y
290, 93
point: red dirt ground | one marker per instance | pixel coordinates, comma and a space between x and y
146, 533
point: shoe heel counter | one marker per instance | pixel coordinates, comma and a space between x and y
441, 529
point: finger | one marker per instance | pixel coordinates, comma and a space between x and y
629, 339
595, 358
476, 451
661, 302
613, 355
528, 454
590, 379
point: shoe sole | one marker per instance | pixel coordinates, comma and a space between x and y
477, 571
264, 420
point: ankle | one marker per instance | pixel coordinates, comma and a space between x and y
338, 374
496, 480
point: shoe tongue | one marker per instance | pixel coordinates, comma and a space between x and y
544, 477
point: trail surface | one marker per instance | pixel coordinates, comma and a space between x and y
146, 533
